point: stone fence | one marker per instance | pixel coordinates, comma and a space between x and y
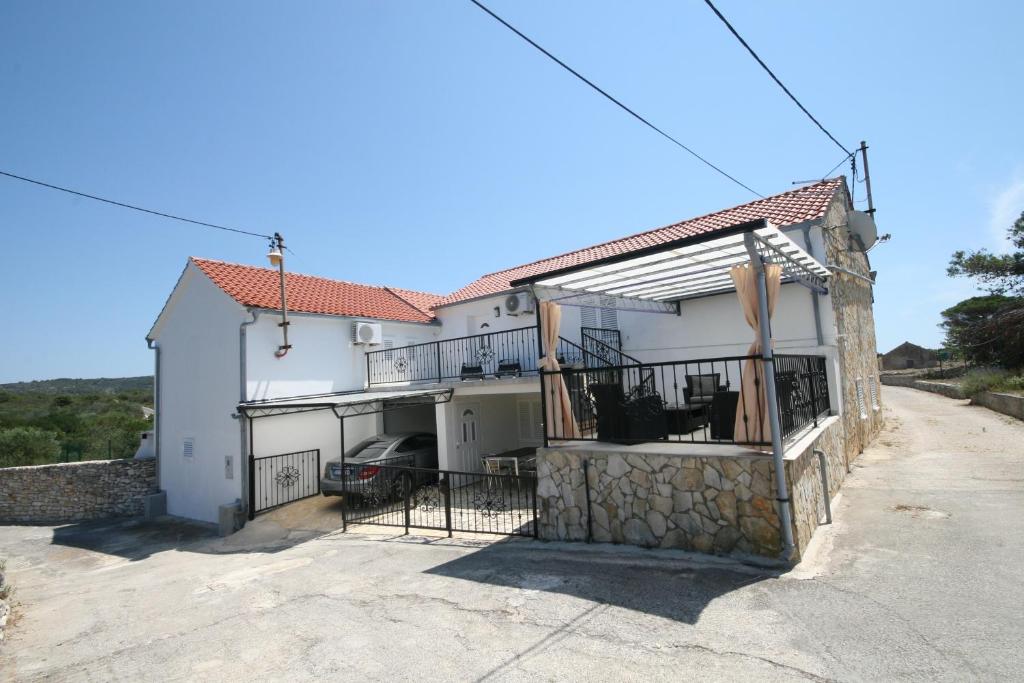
722, 504
945, 388
77, 491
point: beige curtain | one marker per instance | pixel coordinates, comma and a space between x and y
558, 418
752, 424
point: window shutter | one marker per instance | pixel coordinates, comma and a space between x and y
588, 316
529, 423
859, 383
609, 316
188, 447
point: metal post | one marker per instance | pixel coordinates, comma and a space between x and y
867, 178
446, 494
540, 373
586, 488
406, 491
771, 397
437, 346
252, 471
285, 347
814, 294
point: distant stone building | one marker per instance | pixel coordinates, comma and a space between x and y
908, 355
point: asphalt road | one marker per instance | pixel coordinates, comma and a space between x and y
918, 579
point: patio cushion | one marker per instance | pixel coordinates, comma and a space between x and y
703, 386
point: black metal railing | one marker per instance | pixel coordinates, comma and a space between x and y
509, 353
801, 386
420, 498
694, 401
278, 479
607, 336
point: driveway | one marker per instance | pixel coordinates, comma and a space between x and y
918, 579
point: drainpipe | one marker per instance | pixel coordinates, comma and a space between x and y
814, 295
155, 347
767, 354
243, 395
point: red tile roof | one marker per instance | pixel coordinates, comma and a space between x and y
796, 206
260, 288
421, 300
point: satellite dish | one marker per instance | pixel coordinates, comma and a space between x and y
863, 231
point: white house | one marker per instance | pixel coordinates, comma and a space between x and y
465, 365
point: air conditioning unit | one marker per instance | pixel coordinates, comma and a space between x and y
367, 333
521, 303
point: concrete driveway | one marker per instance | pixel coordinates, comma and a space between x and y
918, 579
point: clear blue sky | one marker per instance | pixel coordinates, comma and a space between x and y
420, 144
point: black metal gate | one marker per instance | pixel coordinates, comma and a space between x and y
278, 479
419, 498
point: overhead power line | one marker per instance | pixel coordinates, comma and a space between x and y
612, 99
133, 207
775, 78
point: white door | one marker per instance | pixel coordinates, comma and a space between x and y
469, 439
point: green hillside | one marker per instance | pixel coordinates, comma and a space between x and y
64, 385
62, 420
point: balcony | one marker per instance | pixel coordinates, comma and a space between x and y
692, 401
509, 353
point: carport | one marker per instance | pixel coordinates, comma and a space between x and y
274, 480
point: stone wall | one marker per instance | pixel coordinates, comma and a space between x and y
1007, 404
803, 476
72, 492
714, 504
705, 503
853, 309
945, 388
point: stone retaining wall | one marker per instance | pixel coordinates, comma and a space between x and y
72, 492
1007, 404
709, 504
714, 504
944, 388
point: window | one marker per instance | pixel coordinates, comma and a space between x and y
188, 447
529, 420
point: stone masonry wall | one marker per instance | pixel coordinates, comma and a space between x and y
77, 491
709, 504
803, 476
852, 306
713, 504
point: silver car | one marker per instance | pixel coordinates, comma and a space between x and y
368, 465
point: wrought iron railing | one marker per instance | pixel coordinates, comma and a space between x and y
605, 335
387, 494
801, 385
696, 401
509, 353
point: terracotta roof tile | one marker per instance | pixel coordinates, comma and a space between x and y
260, 288
796, 206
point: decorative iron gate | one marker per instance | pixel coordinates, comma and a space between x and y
278, 479
419, 498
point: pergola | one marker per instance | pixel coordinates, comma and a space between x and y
657, 278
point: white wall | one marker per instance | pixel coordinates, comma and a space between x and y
466, 319
497, 424
199, 391
279, 434
323, 358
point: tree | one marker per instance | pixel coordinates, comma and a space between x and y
987, 330
998, 273
27, 446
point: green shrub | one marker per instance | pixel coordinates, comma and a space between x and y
1012, 384
27, 446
